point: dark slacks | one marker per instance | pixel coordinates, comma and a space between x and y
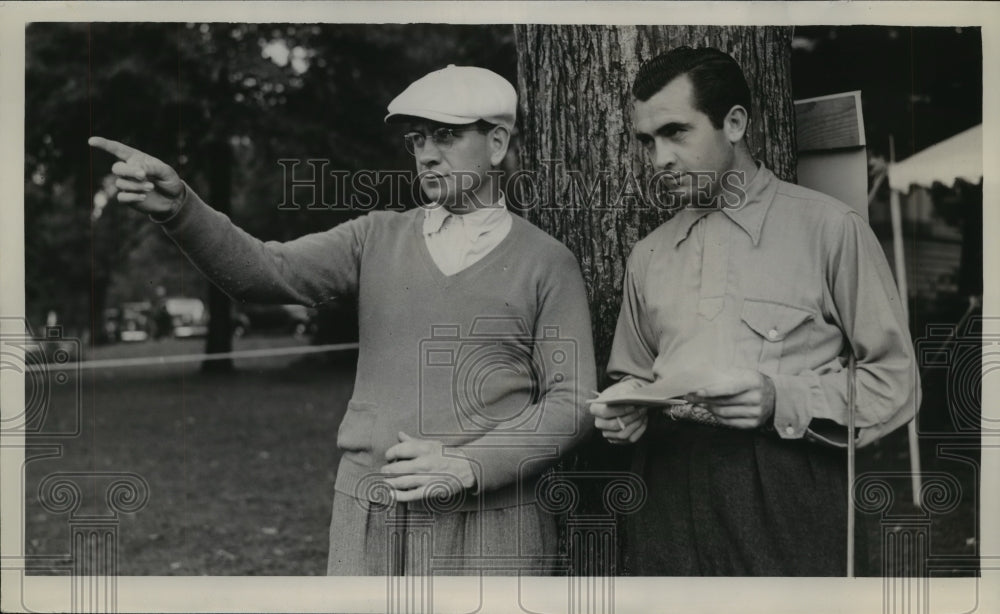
731, 502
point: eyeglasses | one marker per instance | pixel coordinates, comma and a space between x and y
443, 138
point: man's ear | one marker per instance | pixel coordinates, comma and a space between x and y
735, 123
499, 140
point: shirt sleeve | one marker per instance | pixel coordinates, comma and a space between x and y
563, 347
868, 310
311, 270
633, 350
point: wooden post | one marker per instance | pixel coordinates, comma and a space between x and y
899, 260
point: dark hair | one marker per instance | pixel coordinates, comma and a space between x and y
717, 79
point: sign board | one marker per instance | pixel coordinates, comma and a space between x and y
830, 132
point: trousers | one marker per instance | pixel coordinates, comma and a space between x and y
371, 539
734, 502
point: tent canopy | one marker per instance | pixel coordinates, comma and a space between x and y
958, 157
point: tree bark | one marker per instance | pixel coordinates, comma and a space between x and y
576, 136
575, 90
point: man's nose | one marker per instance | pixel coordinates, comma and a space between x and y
664, 157
429, 154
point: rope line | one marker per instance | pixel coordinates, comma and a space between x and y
112, 363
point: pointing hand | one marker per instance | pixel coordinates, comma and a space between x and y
146, 184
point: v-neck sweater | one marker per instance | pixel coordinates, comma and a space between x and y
495, 361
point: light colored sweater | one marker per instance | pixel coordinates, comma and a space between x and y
496, 360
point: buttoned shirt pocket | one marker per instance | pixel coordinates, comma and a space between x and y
354, 437
782, 332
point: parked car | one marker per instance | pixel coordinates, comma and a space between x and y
276, 319
188, 316
134, 321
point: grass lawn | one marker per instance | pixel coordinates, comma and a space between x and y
241, 467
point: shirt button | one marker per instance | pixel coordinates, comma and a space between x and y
772, 334
789, 430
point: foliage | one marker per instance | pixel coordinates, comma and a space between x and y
176, 90
909, 87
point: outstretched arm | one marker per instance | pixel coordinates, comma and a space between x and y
311, 270
145, 183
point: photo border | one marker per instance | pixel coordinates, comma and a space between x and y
218, 594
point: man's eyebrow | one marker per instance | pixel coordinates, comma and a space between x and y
671, 127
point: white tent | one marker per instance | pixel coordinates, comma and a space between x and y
958, 157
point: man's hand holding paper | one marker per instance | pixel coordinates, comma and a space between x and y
619, 423
663, 392
733, 397
739, 398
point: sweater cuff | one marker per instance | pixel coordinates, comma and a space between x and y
475, 464
495, 465
174, 217
485, 468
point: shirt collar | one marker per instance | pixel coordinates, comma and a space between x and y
474, 224
434, 218
749, 214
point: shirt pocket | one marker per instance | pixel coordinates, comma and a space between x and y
356, 432
782, 333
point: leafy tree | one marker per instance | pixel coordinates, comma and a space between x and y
222, 103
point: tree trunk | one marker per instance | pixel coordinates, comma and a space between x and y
575, 87
220, 328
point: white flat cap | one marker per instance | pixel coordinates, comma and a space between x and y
458, 95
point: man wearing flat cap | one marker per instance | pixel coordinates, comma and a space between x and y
475, 343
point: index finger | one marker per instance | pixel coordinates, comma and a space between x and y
406, 467
404, 450
119, 150
746, 397
405, 496
601, 410
727, 388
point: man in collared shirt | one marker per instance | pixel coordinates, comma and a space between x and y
475, 344
457, 241
763, 289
